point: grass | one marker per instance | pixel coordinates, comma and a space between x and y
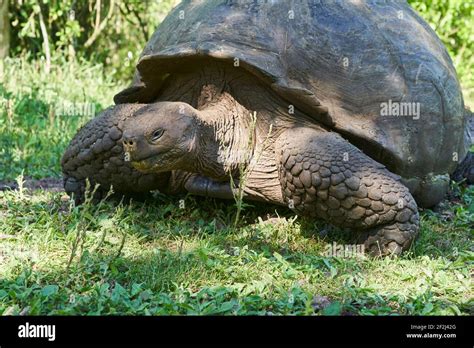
160, 257
36, 123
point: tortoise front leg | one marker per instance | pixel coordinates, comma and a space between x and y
96, 153
200, 185
323, 175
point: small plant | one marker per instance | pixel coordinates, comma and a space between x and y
86, 219
246, 167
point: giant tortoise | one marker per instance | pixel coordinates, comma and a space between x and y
347, 111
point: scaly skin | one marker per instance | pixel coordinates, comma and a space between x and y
324, 176
96, 153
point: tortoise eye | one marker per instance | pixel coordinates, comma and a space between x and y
157, 134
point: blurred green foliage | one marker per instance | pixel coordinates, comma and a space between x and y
453, 21
110, 32
34, 130
113, 32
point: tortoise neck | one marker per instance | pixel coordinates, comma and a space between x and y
225, 136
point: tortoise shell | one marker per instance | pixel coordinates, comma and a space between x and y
347, 64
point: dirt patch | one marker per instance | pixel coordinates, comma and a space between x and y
47, 184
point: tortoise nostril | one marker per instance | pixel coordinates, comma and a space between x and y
128, 141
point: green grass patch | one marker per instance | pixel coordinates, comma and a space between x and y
36, 118
157, 258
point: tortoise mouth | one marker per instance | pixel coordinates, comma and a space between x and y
143, 166
146, 164
136, 159
153, 163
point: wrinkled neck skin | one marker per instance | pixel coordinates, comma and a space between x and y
227, 136
225, 139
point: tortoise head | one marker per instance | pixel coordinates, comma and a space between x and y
160, 137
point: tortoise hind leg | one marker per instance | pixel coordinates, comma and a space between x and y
465, 170
323, 175
96, 154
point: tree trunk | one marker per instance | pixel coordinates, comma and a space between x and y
4, 29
